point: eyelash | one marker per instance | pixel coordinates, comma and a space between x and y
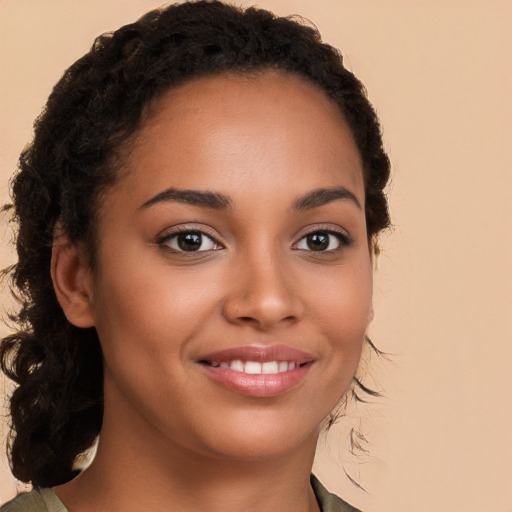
342, 238
169, 238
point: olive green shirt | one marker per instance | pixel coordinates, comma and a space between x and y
45, 500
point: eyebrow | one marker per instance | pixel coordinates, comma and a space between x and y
323, 196
218, 201
205, 199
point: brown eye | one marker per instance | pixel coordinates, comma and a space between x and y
190, 241
318, 241
323, 241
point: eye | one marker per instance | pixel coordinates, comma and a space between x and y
322, 241
190, 241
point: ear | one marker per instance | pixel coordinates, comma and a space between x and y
72, 281
371, 314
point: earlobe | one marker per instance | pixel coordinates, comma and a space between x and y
371, 314
72, 282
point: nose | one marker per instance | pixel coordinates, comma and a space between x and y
263, 293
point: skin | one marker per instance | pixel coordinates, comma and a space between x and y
263, 141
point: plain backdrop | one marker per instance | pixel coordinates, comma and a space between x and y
439, 74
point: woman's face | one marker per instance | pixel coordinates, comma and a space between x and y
233, 281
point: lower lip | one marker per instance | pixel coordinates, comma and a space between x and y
259, 385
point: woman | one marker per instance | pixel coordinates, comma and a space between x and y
197, 214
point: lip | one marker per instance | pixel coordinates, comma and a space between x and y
258, 385
260, 353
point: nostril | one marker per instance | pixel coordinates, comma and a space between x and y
262, 304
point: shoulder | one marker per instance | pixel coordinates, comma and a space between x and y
44, 500
38, 500
329, 502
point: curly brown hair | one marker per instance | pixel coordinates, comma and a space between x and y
91, 116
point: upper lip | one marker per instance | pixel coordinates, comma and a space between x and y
260, 354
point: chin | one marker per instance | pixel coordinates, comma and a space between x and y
260, 436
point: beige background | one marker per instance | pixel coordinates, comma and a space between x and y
439, 73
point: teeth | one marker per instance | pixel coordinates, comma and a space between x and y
255, 368
252, 367
270, 367
283, 366
237, 365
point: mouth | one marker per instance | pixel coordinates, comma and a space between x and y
256, 368
258, 371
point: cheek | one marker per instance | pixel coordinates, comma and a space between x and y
343, 313
144, 320
344, 302
147, 314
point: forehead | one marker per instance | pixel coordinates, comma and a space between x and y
222, 131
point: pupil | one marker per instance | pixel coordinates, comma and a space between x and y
318, 241
189, 241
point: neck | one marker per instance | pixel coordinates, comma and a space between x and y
137, 468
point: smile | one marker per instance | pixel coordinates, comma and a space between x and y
257, 371
256, 368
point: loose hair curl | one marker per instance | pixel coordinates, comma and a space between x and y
92, 114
